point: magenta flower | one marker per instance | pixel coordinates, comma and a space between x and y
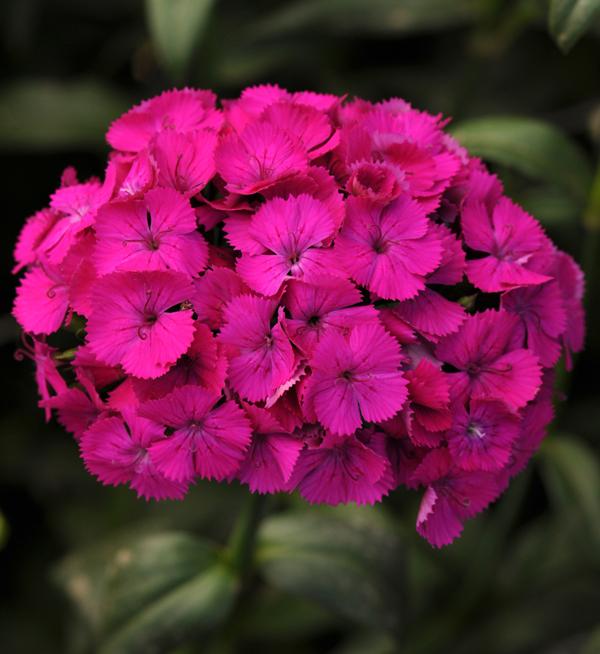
77, 206
511, 237
407, 142
388, 249
259, 157
179, 110
481, 437
317, 182
280, 292
131, 325
117, 452
451, 497
339, 470
427, 175
156, 233
185, 162
290, 234
255, 99
542, 312
491, 360
76, 410
30, 243
355, 377
310, 126
272, 456
261, 357
318, 308
206, 440
376, 181
203, 364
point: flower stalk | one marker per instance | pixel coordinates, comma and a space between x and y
241, 547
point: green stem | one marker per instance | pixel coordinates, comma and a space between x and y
66, 355
240, 552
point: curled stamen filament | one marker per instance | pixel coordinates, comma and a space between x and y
51, 292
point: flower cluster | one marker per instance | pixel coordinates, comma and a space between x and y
301, 293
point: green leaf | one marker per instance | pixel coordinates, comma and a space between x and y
569, 19
550, 205
176, 27
139, 595
532, 147
193, 608
572, 473
50, 115
349, 560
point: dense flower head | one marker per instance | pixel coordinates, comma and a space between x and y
301, 292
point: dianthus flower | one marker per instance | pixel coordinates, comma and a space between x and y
302, 293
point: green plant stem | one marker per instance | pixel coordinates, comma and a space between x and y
66, 355
240, 551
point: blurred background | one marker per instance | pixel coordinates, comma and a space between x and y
85, 568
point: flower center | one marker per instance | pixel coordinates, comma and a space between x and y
473, 370
380, 244
475, 431
380, 247
153, 243
293, 261
372, 179
141, 460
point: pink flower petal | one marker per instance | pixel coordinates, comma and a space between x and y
261, 356
388, 250
130, 325
262, 155
42, 301
180, 110
207, 440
